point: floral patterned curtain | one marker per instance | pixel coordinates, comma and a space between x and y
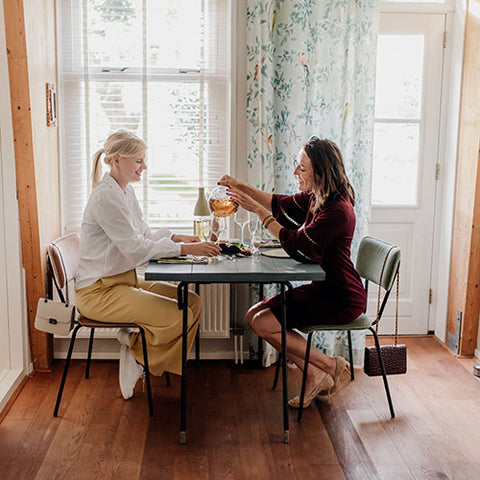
311, 71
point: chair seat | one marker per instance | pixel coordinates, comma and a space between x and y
90, 323
360, 323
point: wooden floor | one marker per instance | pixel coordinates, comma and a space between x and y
235, 426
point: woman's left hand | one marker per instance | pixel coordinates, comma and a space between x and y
185, 238
244, 200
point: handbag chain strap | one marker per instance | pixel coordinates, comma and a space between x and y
59, 290
67, 300
377, 320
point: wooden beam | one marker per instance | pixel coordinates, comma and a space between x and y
40, 343
464, 289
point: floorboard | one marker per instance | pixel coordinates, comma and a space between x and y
234, 426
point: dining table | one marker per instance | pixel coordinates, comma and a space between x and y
232, 270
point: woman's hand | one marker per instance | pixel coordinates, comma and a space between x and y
246, 201
185, 238
229, 181
206, 249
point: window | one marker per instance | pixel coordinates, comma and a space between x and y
398, 115
159, 68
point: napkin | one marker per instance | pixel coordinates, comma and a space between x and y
183, 259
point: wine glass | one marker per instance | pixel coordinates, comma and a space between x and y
256, 242
217, 227
253, 226
242, 218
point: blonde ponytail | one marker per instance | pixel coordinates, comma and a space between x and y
123, 143
97, 168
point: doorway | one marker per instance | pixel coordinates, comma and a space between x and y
410, 54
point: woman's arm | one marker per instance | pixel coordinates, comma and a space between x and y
252, 205
262, 198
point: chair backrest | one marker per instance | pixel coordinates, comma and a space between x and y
370, 260
64, 254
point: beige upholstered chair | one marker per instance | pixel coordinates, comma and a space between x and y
63, 259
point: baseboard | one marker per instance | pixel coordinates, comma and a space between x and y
218, 355
477, 354
11, 381
109, 349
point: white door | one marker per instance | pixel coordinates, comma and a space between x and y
408, 97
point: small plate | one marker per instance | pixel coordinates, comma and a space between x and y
276, 253
270, 244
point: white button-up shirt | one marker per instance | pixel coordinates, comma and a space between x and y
114, 237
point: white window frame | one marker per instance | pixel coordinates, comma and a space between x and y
182, 75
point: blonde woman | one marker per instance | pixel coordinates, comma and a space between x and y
114, 240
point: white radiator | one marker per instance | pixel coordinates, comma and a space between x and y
215, 322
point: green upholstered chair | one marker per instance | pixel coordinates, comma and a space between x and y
370, 261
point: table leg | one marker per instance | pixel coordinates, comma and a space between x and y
183, 393
197, 336
241, 348
283, 316
260, 340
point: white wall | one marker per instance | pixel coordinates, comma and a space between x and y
14, 359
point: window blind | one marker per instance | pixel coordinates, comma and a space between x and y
159, 68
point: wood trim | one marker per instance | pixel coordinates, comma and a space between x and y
11, 400
464, 289
41, 344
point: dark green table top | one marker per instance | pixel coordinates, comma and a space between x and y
243, 270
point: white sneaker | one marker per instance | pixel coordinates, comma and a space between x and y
129, 372
123, 336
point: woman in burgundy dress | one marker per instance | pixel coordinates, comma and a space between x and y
313, 226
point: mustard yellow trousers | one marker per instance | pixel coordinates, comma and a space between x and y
153, 305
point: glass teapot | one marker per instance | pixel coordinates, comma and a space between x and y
220, 204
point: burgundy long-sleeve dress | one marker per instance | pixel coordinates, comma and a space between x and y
323, 237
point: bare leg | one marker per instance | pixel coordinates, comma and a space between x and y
266, 325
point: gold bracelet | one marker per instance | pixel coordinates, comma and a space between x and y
268, 222
266, 219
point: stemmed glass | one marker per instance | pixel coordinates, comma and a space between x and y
253, 226
242, 218
217, 227
256, 242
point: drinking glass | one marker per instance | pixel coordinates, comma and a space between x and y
203, 229
253, 227
217, 227
256, 242
242, 218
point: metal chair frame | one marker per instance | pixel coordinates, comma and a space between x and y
355, 325
85, 322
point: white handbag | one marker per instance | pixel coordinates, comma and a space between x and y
53, 316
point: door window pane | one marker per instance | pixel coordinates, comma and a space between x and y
398, 117
399, 76
395, 163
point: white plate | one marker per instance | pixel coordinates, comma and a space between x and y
276, 253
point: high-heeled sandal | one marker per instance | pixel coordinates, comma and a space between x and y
341, 377
325, 385
342, 374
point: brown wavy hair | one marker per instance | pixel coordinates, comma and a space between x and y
330, 179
